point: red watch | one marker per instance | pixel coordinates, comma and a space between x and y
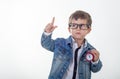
89, 56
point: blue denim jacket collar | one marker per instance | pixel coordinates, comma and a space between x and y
69, 42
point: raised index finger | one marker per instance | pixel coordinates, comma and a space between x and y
52, 23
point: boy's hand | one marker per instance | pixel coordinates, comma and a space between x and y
50, 26
96, 54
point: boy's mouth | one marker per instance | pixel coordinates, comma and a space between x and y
78, 33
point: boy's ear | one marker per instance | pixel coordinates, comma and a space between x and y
89, 30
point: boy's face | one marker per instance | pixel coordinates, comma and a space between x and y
81, 31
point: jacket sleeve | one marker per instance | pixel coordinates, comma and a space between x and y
96, 67
47, 42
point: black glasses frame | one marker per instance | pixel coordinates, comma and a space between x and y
81, 26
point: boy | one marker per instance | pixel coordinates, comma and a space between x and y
74, 57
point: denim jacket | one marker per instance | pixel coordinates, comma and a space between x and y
62, 49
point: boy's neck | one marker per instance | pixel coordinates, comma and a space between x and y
79, 42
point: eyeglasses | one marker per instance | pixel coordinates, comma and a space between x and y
81, 26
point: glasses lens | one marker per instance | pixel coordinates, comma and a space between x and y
84, 26
73, 26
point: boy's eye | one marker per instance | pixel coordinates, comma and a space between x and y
74, 25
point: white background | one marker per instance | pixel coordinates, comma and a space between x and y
22, 23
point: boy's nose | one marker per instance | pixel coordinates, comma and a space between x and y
79, 28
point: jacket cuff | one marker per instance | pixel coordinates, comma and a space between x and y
96, 62
47, 34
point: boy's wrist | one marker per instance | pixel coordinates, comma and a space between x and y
95, 62
47, 31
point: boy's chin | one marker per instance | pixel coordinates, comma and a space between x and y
78, 38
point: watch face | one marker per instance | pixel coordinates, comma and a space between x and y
89, 56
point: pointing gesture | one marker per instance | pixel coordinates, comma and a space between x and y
50, 26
